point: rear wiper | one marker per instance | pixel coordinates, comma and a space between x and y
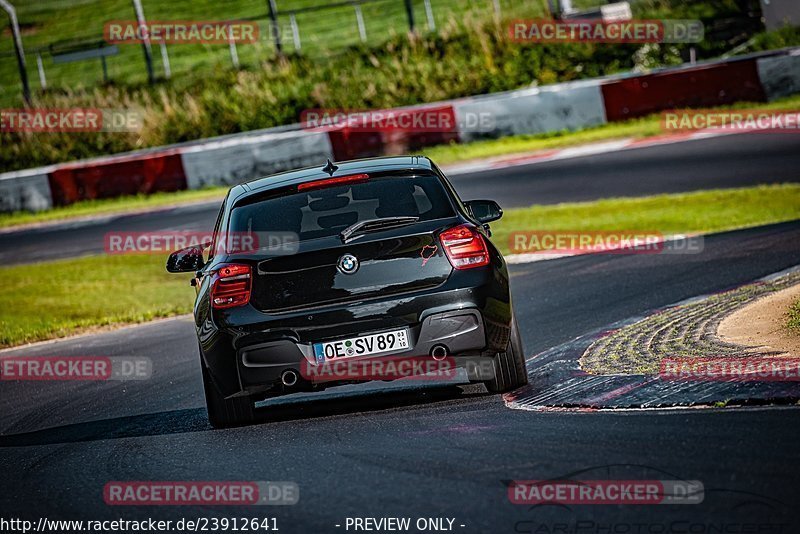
374, 225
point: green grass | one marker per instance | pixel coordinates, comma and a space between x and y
127, 204
58, 298
793, 323
442, 155
714, 210
54, 299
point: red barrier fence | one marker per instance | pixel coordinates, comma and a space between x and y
347, 144
350, 141
130, 175
706, 86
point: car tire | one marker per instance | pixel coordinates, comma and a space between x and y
222, 412
509, 366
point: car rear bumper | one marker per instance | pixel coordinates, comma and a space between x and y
469, 321
458, 332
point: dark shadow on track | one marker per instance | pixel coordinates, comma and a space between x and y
194, 419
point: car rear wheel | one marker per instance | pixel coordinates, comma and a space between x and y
224, 412
509, 366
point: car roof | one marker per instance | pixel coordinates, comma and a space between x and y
307, 174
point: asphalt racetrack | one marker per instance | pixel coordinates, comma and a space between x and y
425, 451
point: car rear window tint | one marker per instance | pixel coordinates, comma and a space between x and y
326, 212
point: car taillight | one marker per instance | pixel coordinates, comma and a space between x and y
330, 182
231, 286
465, 247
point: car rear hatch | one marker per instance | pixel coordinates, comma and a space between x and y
396, 262
373, 236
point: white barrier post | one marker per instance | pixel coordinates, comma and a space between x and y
362, 29
232, 48
165, 60
429, 15
40, 68
295, 32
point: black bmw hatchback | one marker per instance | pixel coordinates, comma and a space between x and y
374, 261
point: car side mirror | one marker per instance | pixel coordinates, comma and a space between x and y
485, 211
186, 260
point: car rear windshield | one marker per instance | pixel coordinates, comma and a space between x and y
326, 212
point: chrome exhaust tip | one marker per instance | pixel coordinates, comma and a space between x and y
439, 352
289, 378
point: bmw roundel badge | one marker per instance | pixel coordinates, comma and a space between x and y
348, 264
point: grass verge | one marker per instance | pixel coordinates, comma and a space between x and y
59, 298
111, 206
794, 317
442, 155
714, 210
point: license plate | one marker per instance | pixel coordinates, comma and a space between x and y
368, 345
